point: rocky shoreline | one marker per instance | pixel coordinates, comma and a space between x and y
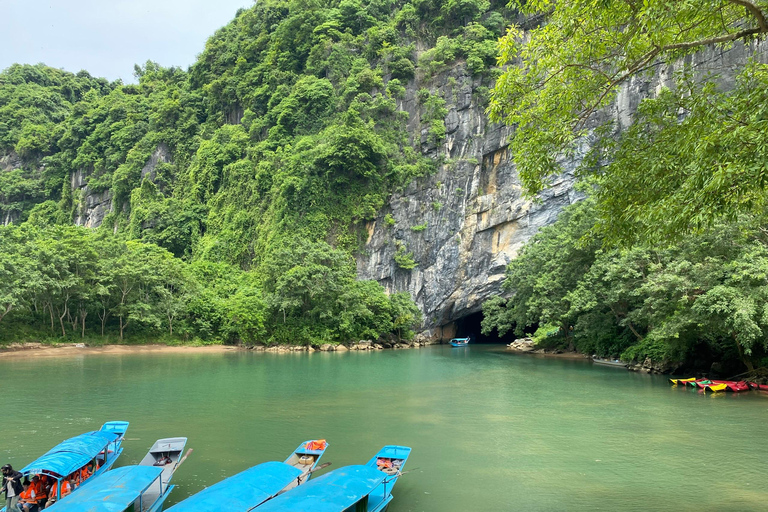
416, 342
34, 349
528, 346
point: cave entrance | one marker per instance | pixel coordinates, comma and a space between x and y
470, 326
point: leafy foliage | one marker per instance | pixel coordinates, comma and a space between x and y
702, 294
68, 281
563, 71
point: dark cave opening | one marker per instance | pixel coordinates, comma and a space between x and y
470, 325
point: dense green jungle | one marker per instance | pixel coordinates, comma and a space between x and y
286, 137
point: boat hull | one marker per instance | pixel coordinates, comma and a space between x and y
609, 362
459, 342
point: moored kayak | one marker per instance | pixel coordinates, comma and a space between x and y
683, 382
724, 385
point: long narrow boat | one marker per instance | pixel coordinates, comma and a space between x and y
100, 447
126, 489
459, 342
609, 362
365, 488
251, 488
165, 454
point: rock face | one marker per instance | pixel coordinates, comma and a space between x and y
466, 222
95, 205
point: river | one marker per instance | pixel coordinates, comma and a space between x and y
489, 430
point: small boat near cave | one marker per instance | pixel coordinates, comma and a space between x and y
684, 382
715, 386
609, 362
360, 488
758, 387
459, 342
253, 487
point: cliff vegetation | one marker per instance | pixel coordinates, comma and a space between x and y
233, 193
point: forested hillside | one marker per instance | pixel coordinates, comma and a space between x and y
279, 143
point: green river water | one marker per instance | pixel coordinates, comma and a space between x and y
489, 430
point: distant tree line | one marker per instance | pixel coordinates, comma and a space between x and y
67, 282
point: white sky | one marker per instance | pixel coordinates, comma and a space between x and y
107, 37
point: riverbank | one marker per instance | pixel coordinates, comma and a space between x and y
21, 350
36, 349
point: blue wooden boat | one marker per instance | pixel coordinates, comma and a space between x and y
361, 488
126, 489
459, 342
100, 446
251, 488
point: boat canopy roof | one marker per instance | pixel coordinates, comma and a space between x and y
333, 492
114, 491
242, 491
71, 454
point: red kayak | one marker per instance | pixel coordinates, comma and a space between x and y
759, 387
724, 385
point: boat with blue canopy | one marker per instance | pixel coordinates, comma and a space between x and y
251, 488
459, 342
126, 489
362, 488
95, 451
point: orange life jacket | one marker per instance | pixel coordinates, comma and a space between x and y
39, 490
66, 488
28, 495
84, 473
319, 444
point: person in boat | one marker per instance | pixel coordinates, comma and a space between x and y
66, 489
45, 486
163, 460
12, 487
85, 473
41, 493
27, 499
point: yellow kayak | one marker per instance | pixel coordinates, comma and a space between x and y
681, 381
716, 387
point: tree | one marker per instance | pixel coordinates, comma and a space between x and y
15, 272
406, 316
541, 278
561, 73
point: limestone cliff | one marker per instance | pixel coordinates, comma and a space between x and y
465, 223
